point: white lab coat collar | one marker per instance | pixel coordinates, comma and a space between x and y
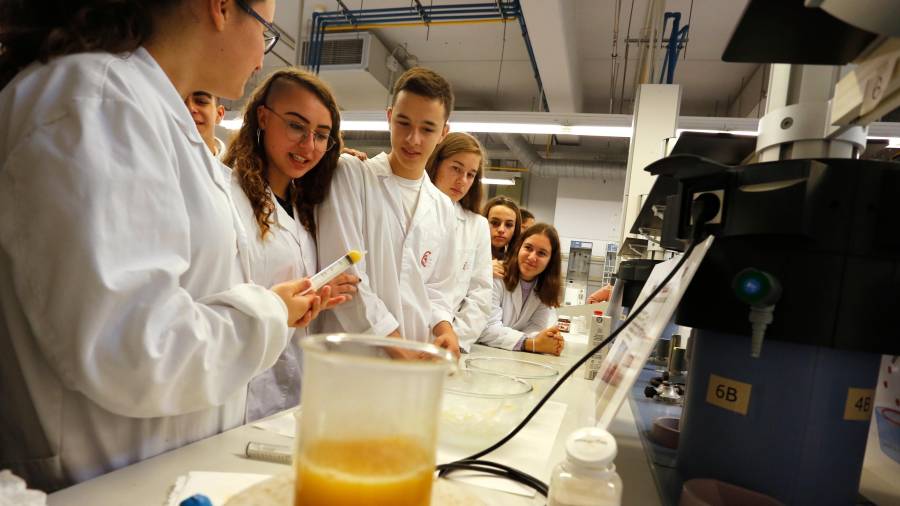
530, 304
381, 166
282, 218
220, 148
296, 230
174, 105
172, 101
460, 211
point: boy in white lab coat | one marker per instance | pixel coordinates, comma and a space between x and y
388, 207
207, 112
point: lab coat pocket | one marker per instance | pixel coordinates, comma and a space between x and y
465, 257
430, 252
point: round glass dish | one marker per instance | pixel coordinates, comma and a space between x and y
479, 408
540, 376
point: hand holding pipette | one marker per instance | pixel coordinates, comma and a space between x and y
342, 285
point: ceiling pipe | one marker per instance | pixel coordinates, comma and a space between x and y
539, 166
364, 19
649, 40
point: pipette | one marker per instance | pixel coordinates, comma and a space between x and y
334, 270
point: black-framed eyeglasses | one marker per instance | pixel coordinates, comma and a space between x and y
297, 132
271, 35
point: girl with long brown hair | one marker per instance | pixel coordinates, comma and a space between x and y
456, 167
282, 160
524, 298
505, 221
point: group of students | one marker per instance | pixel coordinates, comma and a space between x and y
153, 295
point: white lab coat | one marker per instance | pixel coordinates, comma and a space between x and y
405, 275
470, 297
288, 252
512, 318
125, 330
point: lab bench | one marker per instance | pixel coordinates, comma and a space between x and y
150, 481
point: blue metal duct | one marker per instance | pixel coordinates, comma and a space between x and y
417, 13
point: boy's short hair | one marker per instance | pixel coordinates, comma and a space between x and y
426, 83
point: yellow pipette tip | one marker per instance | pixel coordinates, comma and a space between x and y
355, 256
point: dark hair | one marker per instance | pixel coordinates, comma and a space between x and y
248, 157
214, 99
33, 31
549, 282
526, 214
500, 200
426, 83
460, 142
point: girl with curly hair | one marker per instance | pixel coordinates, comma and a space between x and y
282, 161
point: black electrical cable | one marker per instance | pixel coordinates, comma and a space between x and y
701, 212
497, 469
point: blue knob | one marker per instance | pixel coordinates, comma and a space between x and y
196, 500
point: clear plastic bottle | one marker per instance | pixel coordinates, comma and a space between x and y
588, 476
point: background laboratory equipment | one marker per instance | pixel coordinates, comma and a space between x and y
797, 298
577, 273
370, 420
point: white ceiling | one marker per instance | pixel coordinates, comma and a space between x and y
470, 55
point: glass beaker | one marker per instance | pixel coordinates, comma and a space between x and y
368, 431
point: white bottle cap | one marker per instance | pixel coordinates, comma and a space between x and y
591, 447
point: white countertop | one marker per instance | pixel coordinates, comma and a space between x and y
149, 482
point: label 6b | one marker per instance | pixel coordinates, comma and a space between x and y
729, 394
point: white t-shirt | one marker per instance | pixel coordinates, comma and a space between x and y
409, 194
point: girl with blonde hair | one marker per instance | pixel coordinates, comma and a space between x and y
456, 167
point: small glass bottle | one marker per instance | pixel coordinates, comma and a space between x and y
588, 476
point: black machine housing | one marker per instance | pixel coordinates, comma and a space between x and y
827, 229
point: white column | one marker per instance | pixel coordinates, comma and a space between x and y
541, 200
655, 119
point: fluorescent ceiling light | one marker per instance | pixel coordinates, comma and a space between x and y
474, 127
540, 129
577, 124
498, 181
746, 133
509, 128
364, 126
893, 142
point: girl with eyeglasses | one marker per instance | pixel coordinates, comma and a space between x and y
129, 326
283, 159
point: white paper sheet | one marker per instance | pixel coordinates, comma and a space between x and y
528, 452
284, 424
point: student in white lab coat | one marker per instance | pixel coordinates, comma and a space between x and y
207, 112
505, 221
283, 159
126, 328
456, 168
524, 297
388, 207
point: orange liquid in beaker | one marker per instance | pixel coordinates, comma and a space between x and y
391, 471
